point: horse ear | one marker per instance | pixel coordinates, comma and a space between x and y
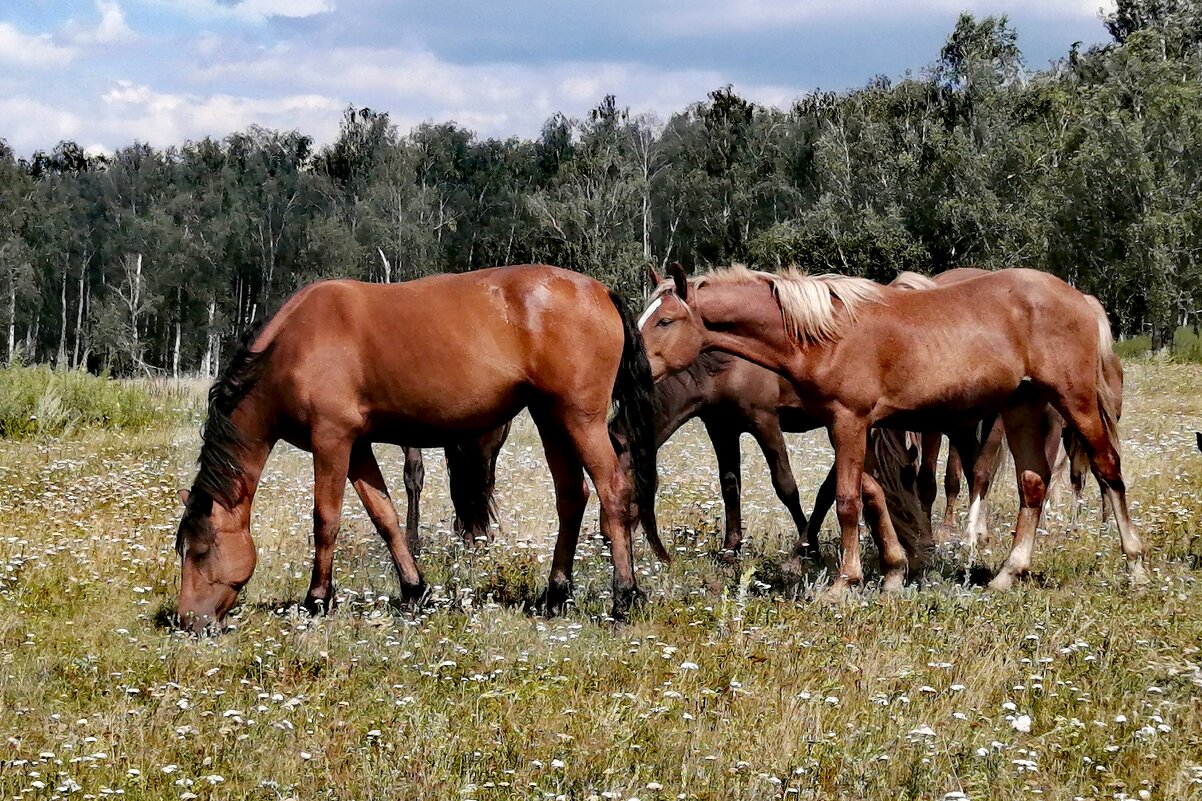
653, 275
184, 495
682, 281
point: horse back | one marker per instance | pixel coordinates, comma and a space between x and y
457, 351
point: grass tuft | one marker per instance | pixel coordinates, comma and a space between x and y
40, 402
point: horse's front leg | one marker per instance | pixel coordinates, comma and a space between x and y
849, 437
725, 439
331, 461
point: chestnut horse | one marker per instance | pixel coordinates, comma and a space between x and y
731, 397
859, 354
344, 364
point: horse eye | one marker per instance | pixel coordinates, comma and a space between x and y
664, 322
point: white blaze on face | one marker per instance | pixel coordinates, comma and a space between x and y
655, 304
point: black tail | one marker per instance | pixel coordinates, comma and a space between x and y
634, 423
471, 472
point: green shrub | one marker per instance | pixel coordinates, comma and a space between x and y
39, 401
1187, 347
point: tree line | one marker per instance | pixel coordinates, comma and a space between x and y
154, 260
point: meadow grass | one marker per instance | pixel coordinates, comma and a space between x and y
731, 683
41, 401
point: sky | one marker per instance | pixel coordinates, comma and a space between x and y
106, 73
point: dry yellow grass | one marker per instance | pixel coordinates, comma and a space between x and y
729, 684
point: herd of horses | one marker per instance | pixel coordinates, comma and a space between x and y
984, 358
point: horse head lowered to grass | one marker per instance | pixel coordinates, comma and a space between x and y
426, 363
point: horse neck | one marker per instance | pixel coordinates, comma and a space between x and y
255, 446
681, 397
745, 320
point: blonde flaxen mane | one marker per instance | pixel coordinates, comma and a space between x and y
911, 280
807, 302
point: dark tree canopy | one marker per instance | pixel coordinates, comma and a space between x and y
154, 259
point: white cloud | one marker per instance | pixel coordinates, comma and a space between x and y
23, 120
133, 111
689, 17
285, 8
245, 10
112, 28
494, 99
26, 50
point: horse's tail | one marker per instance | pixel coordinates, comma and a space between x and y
1108, 379
471, 473
1109, 371
634, 422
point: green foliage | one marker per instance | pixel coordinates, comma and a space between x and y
1186, 347
1088, 169
39, 401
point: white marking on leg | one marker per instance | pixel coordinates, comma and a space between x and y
650, 311
974, 520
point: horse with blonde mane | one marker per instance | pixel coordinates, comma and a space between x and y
1017, 340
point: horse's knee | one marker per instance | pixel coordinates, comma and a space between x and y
786, 488
848, 508
1033, 489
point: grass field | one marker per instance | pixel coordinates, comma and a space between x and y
730, 684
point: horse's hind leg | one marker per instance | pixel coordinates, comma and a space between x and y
927, 467
369, 484
984, 469
771, 440
951, 487
590, 436
1104, 459
331, 463
725, 439
415, 480
1025, 433
571, 498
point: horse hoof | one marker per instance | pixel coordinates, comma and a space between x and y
318, 606
1002, 582
1138, 573
555, 599
625, 599
414, 594
895, 581
836, 593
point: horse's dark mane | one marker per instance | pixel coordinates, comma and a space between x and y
222, 444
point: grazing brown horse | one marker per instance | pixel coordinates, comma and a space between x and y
732, 397
425, 363
472, 474
859, 354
